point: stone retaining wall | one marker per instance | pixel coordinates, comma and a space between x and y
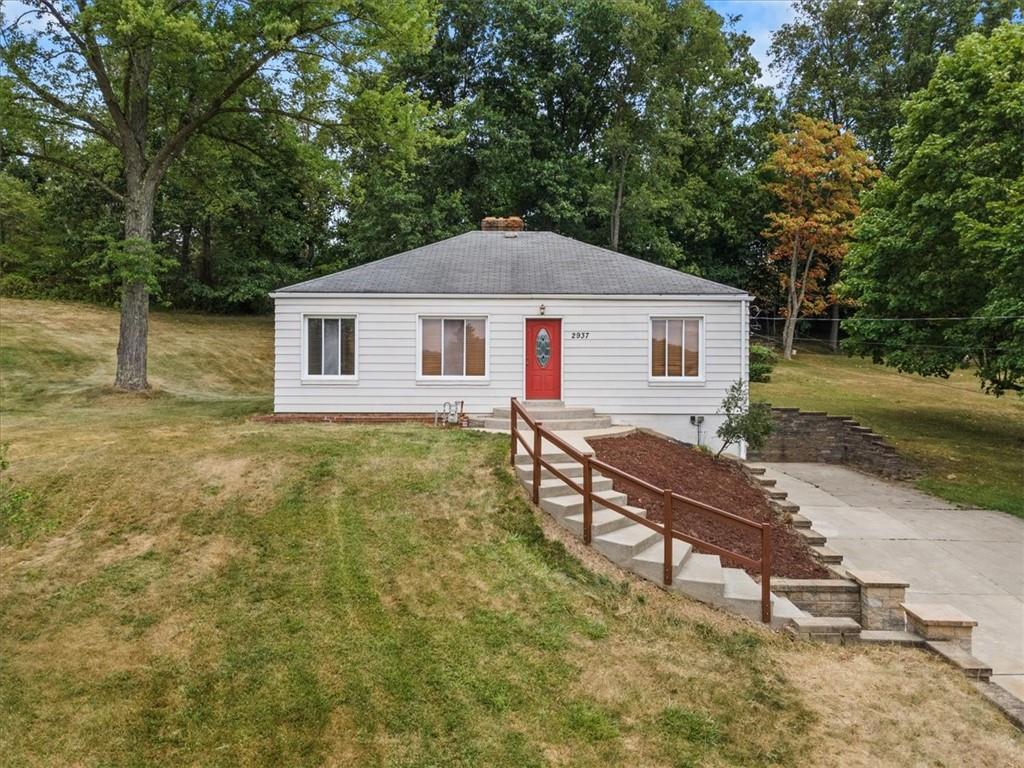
815, 436
822, 597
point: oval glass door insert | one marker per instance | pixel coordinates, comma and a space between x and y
543, 348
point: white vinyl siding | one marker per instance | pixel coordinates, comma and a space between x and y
608, 369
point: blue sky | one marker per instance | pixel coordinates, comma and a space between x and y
759, 19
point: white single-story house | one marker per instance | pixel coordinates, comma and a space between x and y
500, 313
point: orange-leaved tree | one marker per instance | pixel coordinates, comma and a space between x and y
817, 175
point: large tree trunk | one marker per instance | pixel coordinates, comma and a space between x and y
206, 253
185, 254
616, 218
788, 335
795, 298
833, 334
140, 202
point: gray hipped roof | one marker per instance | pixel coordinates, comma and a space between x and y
496, 263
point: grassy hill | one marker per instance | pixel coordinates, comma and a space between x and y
182, 585
970, 445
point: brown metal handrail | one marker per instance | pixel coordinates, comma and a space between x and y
670, 500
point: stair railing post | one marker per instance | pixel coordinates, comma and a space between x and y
514, 425
588, 497
536, 461
667, 522
766, 573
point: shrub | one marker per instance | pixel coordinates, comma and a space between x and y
750, 422
762, 361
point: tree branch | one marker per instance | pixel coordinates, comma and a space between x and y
177, 142
94, 59
282, 113
67, 164
59, 104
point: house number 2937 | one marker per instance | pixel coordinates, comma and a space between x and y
580, 335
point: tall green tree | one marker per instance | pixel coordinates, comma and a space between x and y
817, 174
146, 78
631, 124
941, 238
854, 62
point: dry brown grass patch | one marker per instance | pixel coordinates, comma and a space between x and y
900, 707
91, 647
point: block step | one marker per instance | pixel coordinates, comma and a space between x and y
650, 563
572, 503
799, 521
543, 413
623, 544
701, 577
784, 611
741, 594
827, 555
568, 468
604, 521
556, 487
830, 629
812, 537
890, 637
785, 506
595, 422
525, 460
958, 657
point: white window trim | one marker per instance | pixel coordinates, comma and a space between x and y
308, 378
441, 379
678, 381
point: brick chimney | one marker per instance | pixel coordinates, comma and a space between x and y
502, 224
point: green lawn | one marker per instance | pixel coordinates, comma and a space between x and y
970, 445
184, 586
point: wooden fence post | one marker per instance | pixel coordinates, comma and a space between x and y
537, 440
512, 417
766, 573
667, 522
588, 500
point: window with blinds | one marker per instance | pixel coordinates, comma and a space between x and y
330, 346
453, 346
675, 347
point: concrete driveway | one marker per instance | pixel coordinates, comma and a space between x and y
970, 558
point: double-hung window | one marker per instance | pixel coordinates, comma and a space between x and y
453, 347
676, 349
330, 347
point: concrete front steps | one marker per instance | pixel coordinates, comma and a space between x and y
553, 413
641, 550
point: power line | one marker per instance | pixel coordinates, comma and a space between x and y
888, 319
880, 344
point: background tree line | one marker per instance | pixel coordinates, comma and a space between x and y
364, 129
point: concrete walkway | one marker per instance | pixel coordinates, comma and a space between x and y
970, 558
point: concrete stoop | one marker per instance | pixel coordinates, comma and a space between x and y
554, 414
637, 548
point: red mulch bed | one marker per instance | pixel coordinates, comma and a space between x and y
717, 482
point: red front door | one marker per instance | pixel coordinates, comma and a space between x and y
543, 359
